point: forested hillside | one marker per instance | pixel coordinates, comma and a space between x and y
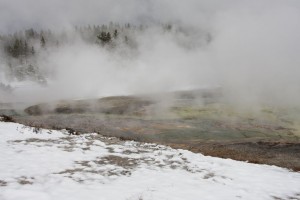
25, 51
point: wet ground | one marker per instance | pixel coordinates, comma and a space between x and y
270, 136
279, 147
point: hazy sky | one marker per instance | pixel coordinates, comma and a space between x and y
16, 14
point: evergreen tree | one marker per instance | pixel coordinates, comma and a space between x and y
43, 42
30, 33
25, 50
116, 34
16, 48
104, 37
108, 37
32, 50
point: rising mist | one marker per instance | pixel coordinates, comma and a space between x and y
248, 49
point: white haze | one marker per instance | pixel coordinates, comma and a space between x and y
253, 55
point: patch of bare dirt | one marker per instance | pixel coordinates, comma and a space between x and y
281, 154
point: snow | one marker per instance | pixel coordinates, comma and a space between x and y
46, 164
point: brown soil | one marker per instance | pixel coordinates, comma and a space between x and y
283, 154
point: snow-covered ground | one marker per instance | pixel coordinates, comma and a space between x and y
44, 164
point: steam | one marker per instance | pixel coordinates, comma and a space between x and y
250, 49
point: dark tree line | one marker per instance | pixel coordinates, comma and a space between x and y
23, 47
104, 37
28, 42
19, 48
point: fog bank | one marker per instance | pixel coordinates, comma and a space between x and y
249, 49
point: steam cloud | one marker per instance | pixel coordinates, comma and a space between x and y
253, 54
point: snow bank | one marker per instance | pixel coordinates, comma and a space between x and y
47, 164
